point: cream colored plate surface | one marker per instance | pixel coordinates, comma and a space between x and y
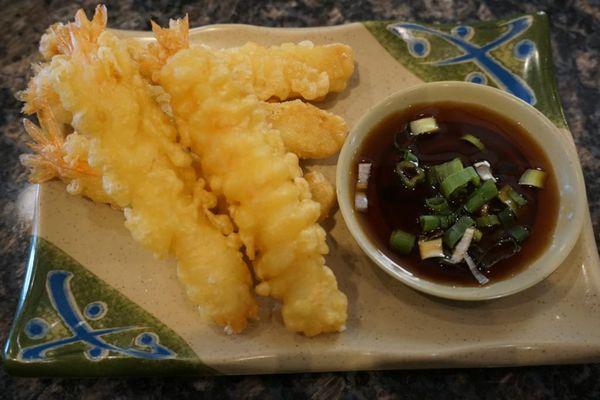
390, 325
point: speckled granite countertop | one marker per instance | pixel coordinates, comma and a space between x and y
576, 53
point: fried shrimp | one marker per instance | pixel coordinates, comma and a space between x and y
291, 70
244, 159
277, 72
200, 150
306, 130
285, 71
127, 144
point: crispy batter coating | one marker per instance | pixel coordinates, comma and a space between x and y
291, 70
279, 72
306, 130
102, 144
123, 135
286, 71
244, 159
322, 192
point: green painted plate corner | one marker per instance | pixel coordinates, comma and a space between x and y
513, 54
71, 323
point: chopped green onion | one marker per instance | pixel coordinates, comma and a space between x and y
458, 180
484, 170
487, 221
442, 171
481, 278
481, 196
462, 246
423, 125
361, 202
438, 205
431, 248
533, 177
477, 235
509, 222
447, 220
409, 173
429, 222
507, 217
517, 198
474, 141
408, 155
402, 242
518, 232
511, 197
456, 231
364, 172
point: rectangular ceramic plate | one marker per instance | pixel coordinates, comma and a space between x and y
96, 303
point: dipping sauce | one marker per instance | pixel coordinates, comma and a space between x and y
498, 251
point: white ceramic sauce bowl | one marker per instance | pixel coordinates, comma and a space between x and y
556, 144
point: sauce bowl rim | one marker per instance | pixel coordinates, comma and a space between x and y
551, 258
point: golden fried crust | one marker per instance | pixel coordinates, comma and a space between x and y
245, 161
282, 72
306, 130
291, 70
122, 134
322, 192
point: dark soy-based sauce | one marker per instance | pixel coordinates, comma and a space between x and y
510, 151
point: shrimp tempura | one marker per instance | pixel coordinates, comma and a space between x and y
291, 70
244, 159
130, 144
285, 71
276, 72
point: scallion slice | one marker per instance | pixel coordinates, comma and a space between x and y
487, 221
462, 246
438, 205
484, 170
442, 171
429, 222
481, 196
533, 177
458, 180
507, 217
402, 242
518, 232
448, 220
361, 202
431, 248
509, 222
364, 172
456, 231
410, 174
511, 197
474, 140
477, 235
408, 155
481, 278
424, 125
